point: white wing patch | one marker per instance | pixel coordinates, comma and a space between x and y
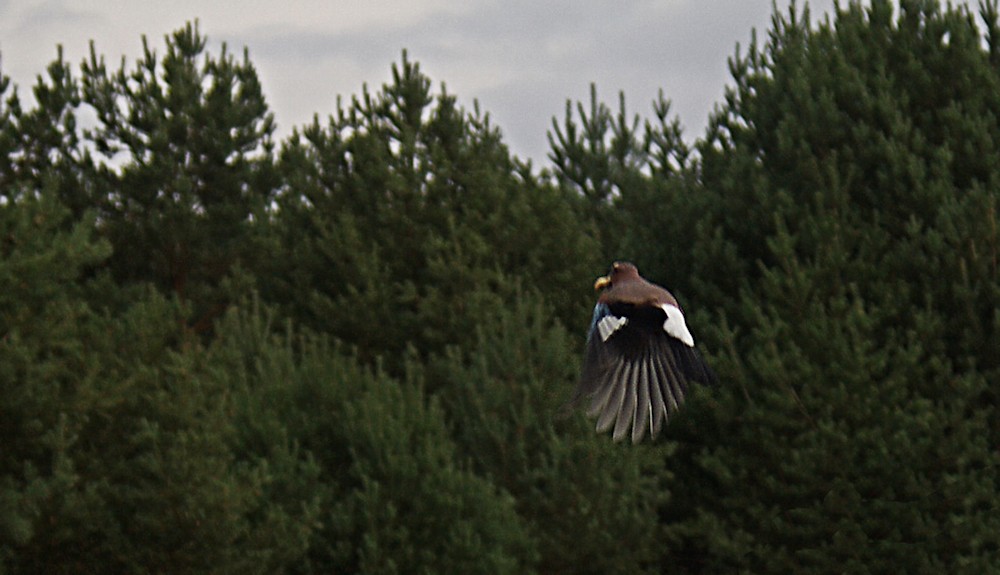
609, 324
675, 325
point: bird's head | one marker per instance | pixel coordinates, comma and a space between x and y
620, 271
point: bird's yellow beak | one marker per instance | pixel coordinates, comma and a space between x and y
602, 282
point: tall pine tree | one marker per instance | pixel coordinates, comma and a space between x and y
405, 220
186, 169
849, 245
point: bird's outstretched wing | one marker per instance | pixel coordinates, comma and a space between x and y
638, 363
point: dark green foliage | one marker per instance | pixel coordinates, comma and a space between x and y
630, 179
583, 497
369, 456
836, 234
850, 204
115, 444
191, 134
386, 401
9, 109
42, 147
410, 213
43, 323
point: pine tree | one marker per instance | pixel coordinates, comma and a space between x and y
590, 505
44, 381
116, 453
42, 146
847, 242
626, 171
10, 108
367, 456
185, 165
398, 209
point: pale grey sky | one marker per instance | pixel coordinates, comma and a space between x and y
522, 59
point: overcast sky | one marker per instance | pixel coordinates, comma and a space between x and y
522, 59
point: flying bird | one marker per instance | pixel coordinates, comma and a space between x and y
640, 356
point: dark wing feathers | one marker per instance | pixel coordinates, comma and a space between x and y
611, 409
637, 376
626, 413
658, 406
642, 405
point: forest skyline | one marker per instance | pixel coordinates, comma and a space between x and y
522, 61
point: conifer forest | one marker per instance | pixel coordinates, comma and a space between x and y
344, 350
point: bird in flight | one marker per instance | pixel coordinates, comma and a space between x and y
640, 356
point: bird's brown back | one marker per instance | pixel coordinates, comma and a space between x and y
637, 292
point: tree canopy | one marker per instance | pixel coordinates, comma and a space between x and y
344, 351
